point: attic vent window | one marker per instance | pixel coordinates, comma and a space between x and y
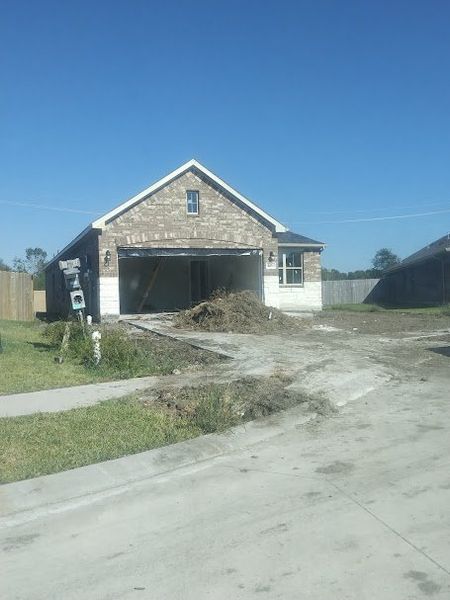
192, 202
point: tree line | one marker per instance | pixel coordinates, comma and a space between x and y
33, 262
383, 259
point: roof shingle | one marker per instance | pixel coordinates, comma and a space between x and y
289, 237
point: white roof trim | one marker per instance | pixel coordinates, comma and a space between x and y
99, 223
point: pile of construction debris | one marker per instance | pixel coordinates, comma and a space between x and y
239, 312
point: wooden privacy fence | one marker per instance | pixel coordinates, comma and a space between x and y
16, 296
349, 291
39, 301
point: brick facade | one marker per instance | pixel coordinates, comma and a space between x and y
312, 266
161, 221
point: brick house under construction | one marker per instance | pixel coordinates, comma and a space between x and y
183, 237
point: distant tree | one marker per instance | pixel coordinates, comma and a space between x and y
364, 274
4, 266
332, 275
335, 275
383, 259
34, 263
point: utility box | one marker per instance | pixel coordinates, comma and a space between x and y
77, 300
71, 271
72, 279
69, 264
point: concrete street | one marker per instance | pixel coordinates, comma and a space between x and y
352, 507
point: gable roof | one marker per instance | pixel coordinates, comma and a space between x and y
99, 223
433, 250
191, 164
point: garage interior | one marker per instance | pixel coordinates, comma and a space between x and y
166, 280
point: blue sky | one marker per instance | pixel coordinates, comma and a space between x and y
319, 111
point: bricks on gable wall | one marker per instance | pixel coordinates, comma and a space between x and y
162, 221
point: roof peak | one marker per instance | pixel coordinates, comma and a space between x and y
100, 222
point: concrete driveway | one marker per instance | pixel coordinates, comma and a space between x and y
353, 507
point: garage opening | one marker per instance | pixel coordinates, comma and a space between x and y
158, 280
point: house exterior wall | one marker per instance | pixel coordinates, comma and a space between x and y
161, 221
422, 284
307, 296
58, 303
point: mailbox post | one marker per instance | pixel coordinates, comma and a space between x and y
71, 271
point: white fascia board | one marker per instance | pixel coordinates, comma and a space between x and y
69, 246
279, 227
99, 223
135, 199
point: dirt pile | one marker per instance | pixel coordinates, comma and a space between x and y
240, 312
217, 406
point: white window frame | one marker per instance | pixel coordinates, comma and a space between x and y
283, 252
188, 212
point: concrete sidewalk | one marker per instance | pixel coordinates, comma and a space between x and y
351, 508
59, 399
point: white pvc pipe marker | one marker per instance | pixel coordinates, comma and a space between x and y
96, 337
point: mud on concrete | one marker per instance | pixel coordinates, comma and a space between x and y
339, 356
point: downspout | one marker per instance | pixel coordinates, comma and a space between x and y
443, 280
444, 287
261, 275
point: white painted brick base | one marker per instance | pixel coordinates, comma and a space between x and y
271, 289
109, 296
306, 297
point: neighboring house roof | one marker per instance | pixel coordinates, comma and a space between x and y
192, 164
289, 237
433, 250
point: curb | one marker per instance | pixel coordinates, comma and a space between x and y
24, 501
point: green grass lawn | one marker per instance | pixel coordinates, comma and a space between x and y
45, 443
428, 310
27, 362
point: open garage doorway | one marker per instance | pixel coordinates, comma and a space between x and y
159, 280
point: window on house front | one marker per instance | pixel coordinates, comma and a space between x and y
192, 202
290, 266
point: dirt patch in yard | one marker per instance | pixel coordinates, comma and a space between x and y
383, 322
240, 312
173, 354
218, 406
